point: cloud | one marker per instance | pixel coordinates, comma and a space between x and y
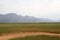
38, 8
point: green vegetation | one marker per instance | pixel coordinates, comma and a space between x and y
29, 27
41, 37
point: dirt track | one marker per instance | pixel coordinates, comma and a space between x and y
24, 34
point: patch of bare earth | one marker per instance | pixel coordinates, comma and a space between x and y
24, 34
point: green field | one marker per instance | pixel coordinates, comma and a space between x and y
29, 27
41, 37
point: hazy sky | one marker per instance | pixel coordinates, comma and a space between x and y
38, 8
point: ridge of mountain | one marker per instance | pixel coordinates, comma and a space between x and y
13, 17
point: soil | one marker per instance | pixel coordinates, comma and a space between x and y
24, 34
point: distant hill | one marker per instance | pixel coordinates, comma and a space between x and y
13, 17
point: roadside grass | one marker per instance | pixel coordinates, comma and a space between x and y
38, 37
29, 27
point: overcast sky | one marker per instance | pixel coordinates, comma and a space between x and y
38, 8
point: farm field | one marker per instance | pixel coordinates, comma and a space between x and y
11, 30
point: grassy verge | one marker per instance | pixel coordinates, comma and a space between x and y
41, 37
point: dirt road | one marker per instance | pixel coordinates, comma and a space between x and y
24, 34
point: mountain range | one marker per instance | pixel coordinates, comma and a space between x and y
13, 17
